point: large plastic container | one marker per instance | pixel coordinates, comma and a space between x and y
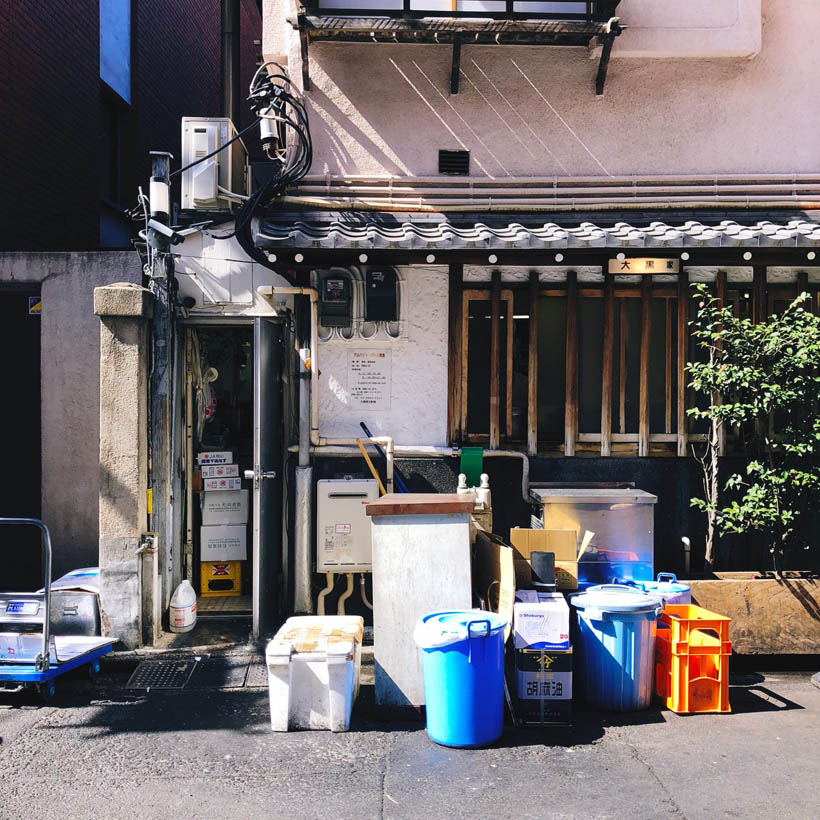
182, 608
463, 676
667, 587
616, 646
313, 672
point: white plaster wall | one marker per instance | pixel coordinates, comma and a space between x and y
70, 390
379, 109
418, 402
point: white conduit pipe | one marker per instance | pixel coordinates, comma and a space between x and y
340, 604
363, 592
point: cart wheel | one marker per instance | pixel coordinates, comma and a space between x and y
93, 670
47, 691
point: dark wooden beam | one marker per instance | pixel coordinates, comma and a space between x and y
455, 71
683, 347
495, 347
603, 65
759, 302
606, 369
571, 376
643, 399
623, 337
720, 292
667, 422
532, 369
304, 38
454, 353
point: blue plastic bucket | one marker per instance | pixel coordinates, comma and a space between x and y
463, 655
616, 642
667, 587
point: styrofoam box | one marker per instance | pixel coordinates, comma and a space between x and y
313, 672
220, 470
224, 507
227, 542
215, 457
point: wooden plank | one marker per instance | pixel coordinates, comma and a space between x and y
507, 296
683, 337
759, 294
622, 339
643, 399
802, 287
606, 369
532, 371
419, 504
495, 345
667, 422
465, 324
571, 383
720, 283
454, 351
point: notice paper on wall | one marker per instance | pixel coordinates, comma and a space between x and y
369, 379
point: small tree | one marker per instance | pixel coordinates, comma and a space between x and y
761, 380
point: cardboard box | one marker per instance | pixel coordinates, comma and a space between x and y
224, 507
215, 457
540, 621
543, 687
562, 543
220, 470
566, 574
493, 575
223, 542
211, 484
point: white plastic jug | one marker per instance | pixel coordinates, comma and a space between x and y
182, 612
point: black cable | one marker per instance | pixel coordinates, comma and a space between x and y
214, 153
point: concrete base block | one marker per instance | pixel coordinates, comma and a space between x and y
119, 590
769, 617
123, 299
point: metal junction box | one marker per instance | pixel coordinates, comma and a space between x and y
343, 542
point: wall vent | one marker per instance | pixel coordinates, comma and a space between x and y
454, 162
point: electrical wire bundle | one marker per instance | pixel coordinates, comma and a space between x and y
285, 140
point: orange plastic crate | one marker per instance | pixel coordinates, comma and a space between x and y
692, 660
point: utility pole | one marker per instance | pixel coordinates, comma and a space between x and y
162, 349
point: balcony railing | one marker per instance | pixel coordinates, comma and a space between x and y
592, 11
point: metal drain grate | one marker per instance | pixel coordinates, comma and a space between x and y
225, 672
257, 673
170, 674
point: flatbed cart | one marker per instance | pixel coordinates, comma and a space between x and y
31, 658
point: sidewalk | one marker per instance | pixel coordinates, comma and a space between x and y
210, 753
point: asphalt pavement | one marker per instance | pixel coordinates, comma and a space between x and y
103, 751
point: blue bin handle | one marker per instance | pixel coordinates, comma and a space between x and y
667, 576
483, 622
619, 587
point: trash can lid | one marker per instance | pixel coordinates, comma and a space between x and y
444, 628
616, 598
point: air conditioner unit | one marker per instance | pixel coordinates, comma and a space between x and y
207, 185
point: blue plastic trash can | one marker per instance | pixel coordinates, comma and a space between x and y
616, 639
463, 657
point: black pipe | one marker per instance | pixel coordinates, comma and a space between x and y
231, 95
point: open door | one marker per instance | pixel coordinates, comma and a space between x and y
267, 475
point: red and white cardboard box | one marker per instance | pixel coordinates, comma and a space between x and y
215, 457
220, 470
209, 484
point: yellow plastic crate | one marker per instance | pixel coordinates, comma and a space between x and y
220, 578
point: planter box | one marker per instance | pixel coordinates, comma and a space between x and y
769, 617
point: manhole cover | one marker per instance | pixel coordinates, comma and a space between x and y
257, 674
226, 672
161, 674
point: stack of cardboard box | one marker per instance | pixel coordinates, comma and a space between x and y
223, 535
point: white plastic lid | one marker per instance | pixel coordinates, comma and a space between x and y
444, 628
616, 598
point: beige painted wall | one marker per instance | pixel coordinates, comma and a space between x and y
522, 111
70, 390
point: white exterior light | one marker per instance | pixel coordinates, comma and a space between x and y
271, 257
747, 255
559, 257
431, 258
620, 256
298, 258
362, 258
684, 256
810, 255
492, 259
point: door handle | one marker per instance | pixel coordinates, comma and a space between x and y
251, 475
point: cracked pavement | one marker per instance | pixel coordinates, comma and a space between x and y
103, 751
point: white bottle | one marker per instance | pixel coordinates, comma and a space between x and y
182, 612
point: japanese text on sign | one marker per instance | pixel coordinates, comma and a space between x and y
368, 379
644, 265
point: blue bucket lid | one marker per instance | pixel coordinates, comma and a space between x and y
445, 628
667, 583
616, 598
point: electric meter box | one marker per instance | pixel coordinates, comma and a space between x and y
205, 184
336, 302
343, 542
381, 302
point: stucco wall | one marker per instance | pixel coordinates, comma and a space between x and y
418, 401
70, 376
380, 109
